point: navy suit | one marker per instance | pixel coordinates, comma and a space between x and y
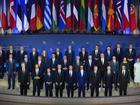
48, 85
83, 58
96, 57
11, 70
59, 57
81, 80
118, 55
95, 80
70, 57
71, 83
108, 56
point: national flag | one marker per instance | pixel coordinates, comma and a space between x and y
62, 16
54, 15
47, 15
82, 16
25, 23
75, 17
103, 18
110, 17
68, 15
33, 16
39, 14
96, 16
18, 17
139, 16
90, 15
132, 18
0, 14
125, 16
118, 14
3, 16
12, 18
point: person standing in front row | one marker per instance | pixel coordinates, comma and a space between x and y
81, 80
137, 72
123, 80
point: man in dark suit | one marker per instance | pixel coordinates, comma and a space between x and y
83, 56
45, 58
23, 79
102, 67
95, 79
59, 81
53, 66
71, 81
81, 81
70, 55
89, 66
33, 58
108, 81
58, 56
48, 83
11, 71
115, 69
123, 80
77, 64
11, 51
130, 55
20, 55
108, 54
96, 55
36, 80
118, 52
2, 61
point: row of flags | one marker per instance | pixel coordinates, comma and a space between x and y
69, 15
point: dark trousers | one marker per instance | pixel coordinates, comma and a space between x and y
116, 80
49, 88
58, 90
131, 65
96, 89
11, 78
123, 91
108, 89
23, 89
1, 72
81, 90
70, 90
36, 87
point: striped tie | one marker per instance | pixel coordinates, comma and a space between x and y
47, 15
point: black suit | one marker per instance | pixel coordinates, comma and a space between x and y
118, 55
23, 78
95, 79
123, 82
83, 58
131, 55
71, 83
108, 56
96, 57
59, 84
11, 70
33, 60
2, 61
108, 81
48, 85
59, 57
13, 54
70, 57
65, 66
20, 56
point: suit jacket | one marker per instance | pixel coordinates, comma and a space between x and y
95, 79
102, 67
14, 54
71, 80
48, 79
89, 67
70, 57
119, 56
131, 55
95, 57
45, 61
33, 59
59, 79
2, 60
108, 80
23, 77
83, 58
115, 67
20, 57
107, 56
59, 57
11, 67
81, 80
34, 75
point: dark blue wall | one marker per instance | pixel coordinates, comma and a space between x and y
52, 41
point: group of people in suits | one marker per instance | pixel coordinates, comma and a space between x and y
113, 67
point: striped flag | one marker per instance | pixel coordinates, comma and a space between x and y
103, 18
47, 15
68, 15
96, 16
139, 16
90, 15
39, 14
62, 19
54, 16
82, 16
110, 19
75, 17
3, 17
25, 23
0, 14
33, 16
125, 17
132, 18
118, 15
12, 18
